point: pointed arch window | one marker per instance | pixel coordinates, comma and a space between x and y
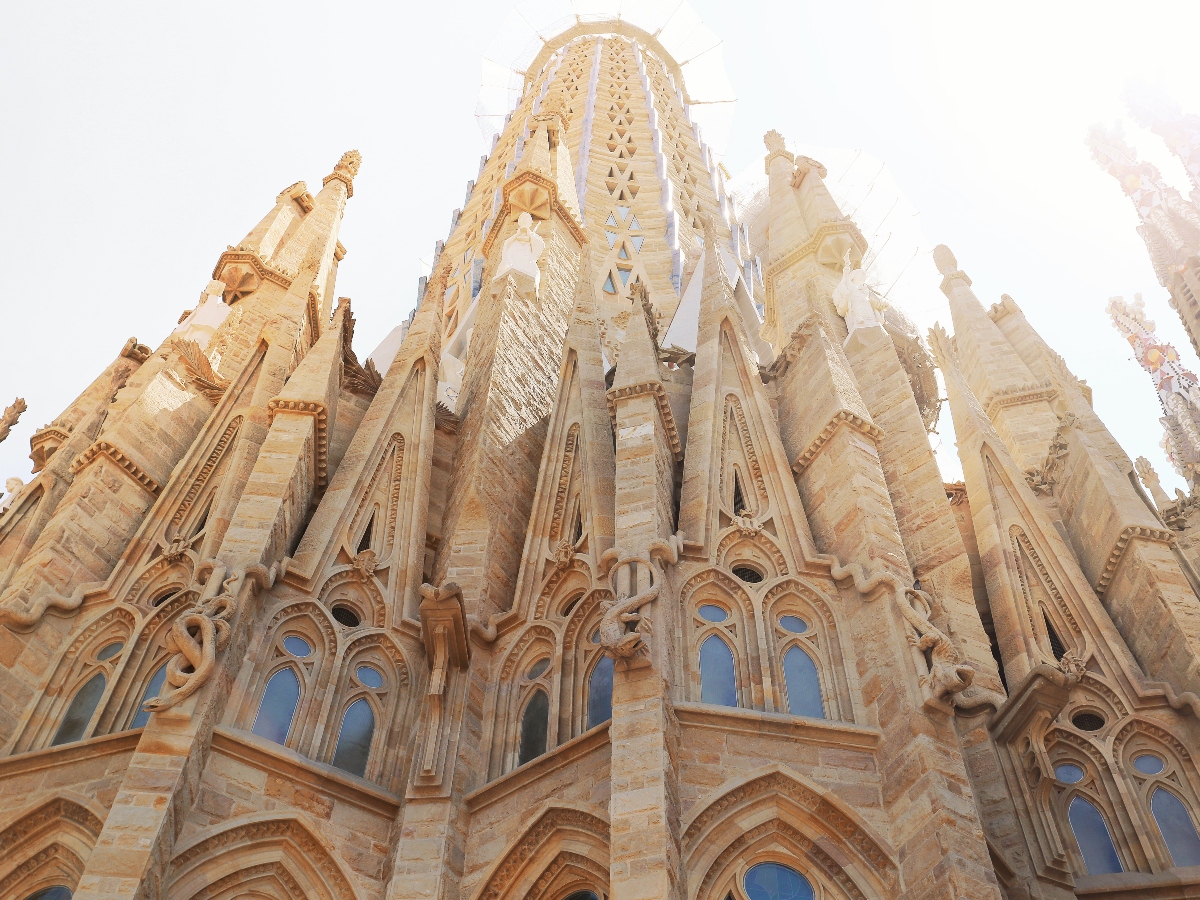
153, 688
1177, 828
718, 684
803, 684
1093, 837
80, 711
775, 881
600, 688
1057, 647
58, 892
739, 496
277, 708
535, 725
364, 542
354, 738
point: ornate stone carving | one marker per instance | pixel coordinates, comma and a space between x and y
123, 462
519, 258
1043, 478
11, 414
444, 631
200, 633
345, 171
854, 302
553, 820
656, 389
1149, 478
199, 371
1129, 533
320, 429
13, 487
624, 631
841, 417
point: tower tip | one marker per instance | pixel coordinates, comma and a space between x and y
944, 260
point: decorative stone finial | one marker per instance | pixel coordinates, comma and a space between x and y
345, 170
944, 260
775, 142
10, 416
555, 104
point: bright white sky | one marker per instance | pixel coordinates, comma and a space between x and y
139, 139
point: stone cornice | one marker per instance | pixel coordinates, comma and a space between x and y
556, 205
537, 770
320, 426
954, 276
840, 418
127, 465
268, 756
1127, 535
659, 393
66, 754
808, 248
1019, 395
264, 271
783, 725
343, 177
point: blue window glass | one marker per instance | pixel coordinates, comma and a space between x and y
1148, 764
1068, 773
535, 723
278, 707
369, 676
773, 881
600, 687
583, 895
110, 651
153, 687
1177, 828
79, 713
1091, 834
710, 613
803, 684
354, 740
794, 624
297, 646
717, 682
58, 892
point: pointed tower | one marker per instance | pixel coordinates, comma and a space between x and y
1170, 225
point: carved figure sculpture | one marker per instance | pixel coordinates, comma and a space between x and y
854, 303
615, 637
13, 487
948, 675
521, 253
203, 321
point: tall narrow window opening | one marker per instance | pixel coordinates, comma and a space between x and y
79, 713
739, 498
718, 685
354, 739
803, 684
600, 686
278, 707
1094, 840
365, 542
153, 687
1177, 827
535, 722
1056, 644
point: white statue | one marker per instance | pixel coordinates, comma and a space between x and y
203, 321
521, 253
854, 303
13, 486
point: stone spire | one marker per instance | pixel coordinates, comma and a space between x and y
1178, 388
1015, 399
1181, 132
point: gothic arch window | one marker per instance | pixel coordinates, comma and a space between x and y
599, 692
1176, 827
802, 683
355, 737
718, 681
535, 723
1159, 767
1093, 837
282, 698
70, 709
58, 892
153, 687
277, 708
78, 717
775, 881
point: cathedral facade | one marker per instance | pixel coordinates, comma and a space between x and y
624, 569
